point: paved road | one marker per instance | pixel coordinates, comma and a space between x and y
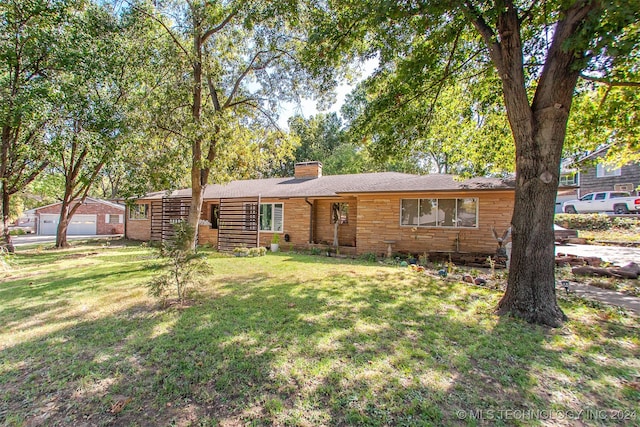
30, 239
617, 255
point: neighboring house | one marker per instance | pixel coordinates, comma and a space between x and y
415, 213
587, 176
94, 216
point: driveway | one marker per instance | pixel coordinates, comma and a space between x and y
30, 239
618, 255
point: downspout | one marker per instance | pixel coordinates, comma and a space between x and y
306, 199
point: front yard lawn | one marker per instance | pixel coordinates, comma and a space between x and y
291, 339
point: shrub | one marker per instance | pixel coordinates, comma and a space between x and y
184, 265
241, 251
594, 222
315, 251
261, 251
4, 259
369, 257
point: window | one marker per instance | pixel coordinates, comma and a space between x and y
603, 171
139, 211
339, 213
439, 212
215, 216
600, 196
113, 219
569, 179
587, 197
618, 195
271, 217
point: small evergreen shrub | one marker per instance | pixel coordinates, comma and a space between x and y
184, 266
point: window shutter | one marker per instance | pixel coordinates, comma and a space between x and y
106, 219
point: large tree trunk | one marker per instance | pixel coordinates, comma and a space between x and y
531, 286
197, 184
63, 224
61, 236
539, 131
6, 237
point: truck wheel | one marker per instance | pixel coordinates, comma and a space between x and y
620, 209
570, 210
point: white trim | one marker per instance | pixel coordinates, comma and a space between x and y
273, 216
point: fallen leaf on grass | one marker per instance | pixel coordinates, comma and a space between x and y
119, 405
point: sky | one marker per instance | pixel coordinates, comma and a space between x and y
308, 108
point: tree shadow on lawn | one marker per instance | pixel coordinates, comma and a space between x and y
343, 350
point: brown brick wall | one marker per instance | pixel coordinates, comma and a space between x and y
379, 220
296, 223
324, 229
93, 208
139, 229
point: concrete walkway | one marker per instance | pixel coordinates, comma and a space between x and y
606, 296
32, 239
619, 255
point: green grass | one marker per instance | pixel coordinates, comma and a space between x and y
615, 235
291, 339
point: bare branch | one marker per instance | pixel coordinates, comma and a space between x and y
528, 15
486, 32
170, 130
262, 110
249, 68
610, 83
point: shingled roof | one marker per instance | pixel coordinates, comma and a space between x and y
335, 185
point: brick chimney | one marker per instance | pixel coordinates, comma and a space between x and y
308, 170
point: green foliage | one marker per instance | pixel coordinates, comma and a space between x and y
185, 267
594, 222
368, 257
261, 251
5, 259
275, 239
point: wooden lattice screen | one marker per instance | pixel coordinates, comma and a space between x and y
156, 221
238, 224
166, 213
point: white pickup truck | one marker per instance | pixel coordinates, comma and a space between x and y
604, 201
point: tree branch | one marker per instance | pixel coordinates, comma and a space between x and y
610, 83
219, 27
249, 68
167, 29
486, 32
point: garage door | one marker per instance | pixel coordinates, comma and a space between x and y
80, 224
48, 224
